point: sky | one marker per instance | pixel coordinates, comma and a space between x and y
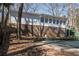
42, 9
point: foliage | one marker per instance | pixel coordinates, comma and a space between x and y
71, 32
76, 12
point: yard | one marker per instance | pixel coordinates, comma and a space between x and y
44, 48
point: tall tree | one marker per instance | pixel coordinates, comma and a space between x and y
19, 20
76, 19
4, 32
56, 9
70, 17
32, 8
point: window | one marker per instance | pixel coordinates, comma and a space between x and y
64, 22
34, 20
46, 20
23, 20
13, 19
50, 20
53, 21
57, 21
30, 20
60, 22
26, 19
42, 19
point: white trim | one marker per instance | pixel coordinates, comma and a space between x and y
37, 22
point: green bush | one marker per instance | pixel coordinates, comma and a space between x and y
70, 32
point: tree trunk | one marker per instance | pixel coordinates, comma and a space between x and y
5, 33
58, 34
19, 21
32, 27
1, 31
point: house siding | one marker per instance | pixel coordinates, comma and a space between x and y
37, 27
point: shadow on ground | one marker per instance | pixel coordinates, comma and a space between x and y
36, 51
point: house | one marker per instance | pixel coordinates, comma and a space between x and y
40, 24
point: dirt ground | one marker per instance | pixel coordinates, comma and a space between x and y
29, 48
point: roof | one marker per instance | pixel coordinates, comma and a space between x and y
24, 14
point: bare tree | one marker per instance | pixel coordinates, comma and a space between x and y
75, 18
55, 9
19, 20
71, 16
32, 8
4, 44
27, 7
